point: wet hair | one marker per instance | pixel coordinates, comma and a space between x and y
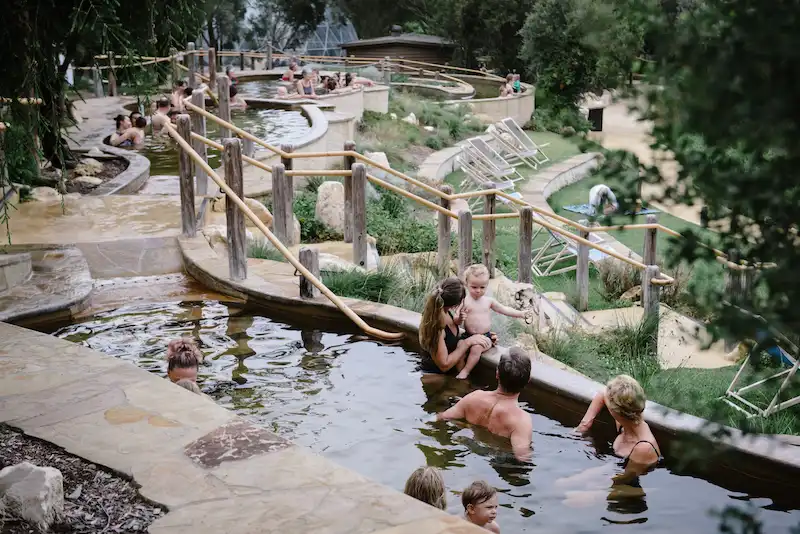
171, 113
191, 385
509, 77
183, 354
476, 493
119, 119
140, 122
330, 84
427, 485
163, 103
625, 397
188, 91
180, 83
348, 79
233, 91
514, 370
131, 116
476, 269
306, 72
449, 292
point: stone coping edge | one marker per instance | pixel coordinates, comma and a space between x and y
128, 181
203, 264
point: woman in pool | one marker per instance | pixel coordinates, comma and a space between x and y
635, 443
123, 123
438, 331
183, 360
305, 87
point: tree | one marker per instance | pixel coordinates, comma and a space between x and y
722, 95
224, 21
573, 47
269, 26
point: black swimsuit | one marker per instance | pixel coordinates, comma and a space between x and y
427, 365
450, 339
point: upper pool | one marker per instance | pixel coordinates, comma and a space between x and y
368, 407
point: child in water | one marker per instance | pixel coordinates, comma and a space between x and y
427, 485
475, 315
480, 505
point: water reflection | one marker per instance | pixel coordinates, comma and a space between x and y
367, 406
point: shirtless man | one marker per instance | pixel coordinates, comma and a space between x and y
134, 134
161, 116
178, 94
498, 410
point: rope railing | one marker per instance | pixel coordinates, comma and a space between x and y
280, 247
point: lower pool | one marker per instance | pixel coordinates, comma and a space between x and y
272, 125
368, 407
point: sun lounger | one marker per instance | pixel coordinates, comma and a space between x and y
557, 250
524, 147
492, 159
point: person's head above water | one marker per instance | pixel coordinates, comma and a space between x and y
140, 122
480, 503
514, 370
183, 360
163, 103
625, 398
180, 84
307, 73
133, 116
187, 91
122, 122
427, 485
348, 79
447, 294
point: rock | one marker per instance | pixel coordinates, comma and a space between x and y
373, 258
632, 295
261, 211
44, 194
330, 205
88, 167
72, 196
567, 131
95, 152
88, 180
297, 229
514, 294
491, 129
217, 234
393, 116
32, 493
331, 262
429, 128
218, 204
411, 119
380, 157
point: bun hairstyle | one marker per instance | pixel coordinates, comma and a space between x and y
448, 293
182, 354
119, 119
625, 397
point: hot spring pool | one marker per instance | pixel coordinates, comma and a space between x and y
367, 406
272, 125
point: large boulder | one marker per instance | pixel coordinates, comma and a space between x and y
373, 258
217, 236
45, 194
88, 180
331, 262
88, 167
411, 118
261, 211
516, 295
330, 205
32, 493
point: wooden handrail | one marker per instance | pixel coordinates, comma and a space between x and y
344, 308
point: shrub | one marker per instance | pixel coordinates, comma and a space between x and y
564, 121
617, 277
263, 250
20, 158
312, 230
434, 142
392, 224
375, 286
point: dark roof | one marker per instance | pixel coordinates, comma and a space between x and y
415, 39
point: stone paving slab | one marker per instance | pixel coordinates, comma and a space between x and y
216, 472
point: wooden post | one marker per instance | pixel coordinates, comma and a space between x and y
359, 195
387, 70
201, 63
241, 60
650, 291
309, 258
224, 105
237, 236
348, 193
282, 199
444, 237
288, 163
582, 273
489, 229
268, 59
249, 147
188, 224
464, 241
525, 256
174, 73
650, 239
252, 62
112, 79
212, 67
98, 82
192, 64
199, 127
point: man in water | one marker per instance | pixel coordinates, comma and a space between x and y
160, 117
499, 410
601, 196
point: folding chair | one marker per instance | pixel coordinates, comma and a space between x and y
479, 175
526, 148
733, 395
491, 159
557, 249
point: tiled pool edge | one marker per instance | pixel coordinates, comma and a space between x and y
215, 471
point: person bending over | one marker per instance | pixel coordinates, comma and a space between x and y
475, 315
480, 505
438, 331
499, 410
601, 196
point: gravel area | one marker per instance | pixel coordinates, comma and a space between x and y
95, 499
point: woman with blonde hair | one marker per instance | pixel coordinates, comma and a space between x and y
183, 360
427, 485
625, 400
438, 328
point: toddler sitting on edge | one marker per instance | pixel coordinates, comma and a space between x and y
474, 315
480, 505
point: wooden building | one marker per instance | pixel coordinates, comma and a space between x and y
414, 46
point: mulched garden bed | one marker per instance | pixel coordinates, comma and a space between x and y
95, 499
111, 168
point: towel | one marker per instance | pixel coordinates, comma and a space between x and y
586, 209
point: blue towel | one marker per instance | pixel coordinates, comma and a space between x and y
586, 209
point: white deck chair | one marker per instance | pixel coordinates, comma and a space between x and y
733, 396
492, 159
558, 249
531, 149
512, 151
478, 176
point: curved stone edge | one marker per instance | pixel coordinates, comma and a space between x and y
204, 463
520, 107
463, 91
128, 181
60, 285
278, 289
